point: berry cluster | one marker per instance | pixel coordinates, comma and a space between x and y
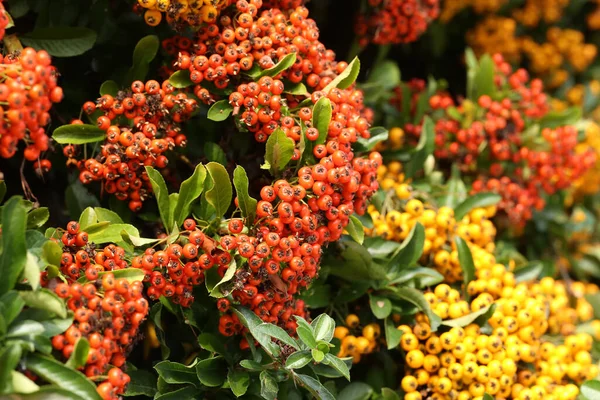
364, 342
28, 87
107, 311
311, 207
532, 166
4, 20
395, 21
181, 13
466, 362
157, 113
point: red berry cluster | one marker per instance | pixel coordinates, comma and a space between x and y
4, 20
157, 113
28, 87
501, 124
395, 21
107, 311
174, 271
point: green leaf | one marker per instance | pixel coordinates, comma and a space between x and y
131, 274
181, 79
238, 381
385, 75
88, 217
159, 187
51, 252
105, 215
355, 229
529, 272
278, 333
478, 200
416, 297
423, 150
2, 190
78, 198
323, 327
357, 263
9, 358
24, 328
176, 373
251, 321
37, 218
220, 110
78, 134
420, 276
279, 151
321, 118
467, 319
188, 392
220, 194
484, 78
380, 306
80, 354
45, 299
389, 394
229, 273
337, 364
356, 391
60, 41
145, 51
48, 392
268, 386
143, 383
285, 63
31, 272
211, 342
211, 371
298, 359
14, 250
56, 326
555, 119
189, 192
346, 78
11, 305
410, 251
23, 384
378, 134
305, 333
215, 153
465, 258
110, 233
392, 334
590, 390
297, 89
315, 387
317, 355
247, 204
456, 189
62, 376
109, 87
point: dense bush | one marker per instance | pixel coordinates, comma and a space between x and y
204, 199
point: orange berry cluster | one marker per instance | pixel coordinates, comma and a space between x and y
529, 169
107, 311
157, 113
396, 21
28, 87
4, 20
310, 208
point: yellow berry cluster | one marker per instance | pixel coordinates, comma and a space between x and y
495, 34
439, 249
562, 47
363, 342
395, 140
509, 360
536, 11
453, 7
188, 12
